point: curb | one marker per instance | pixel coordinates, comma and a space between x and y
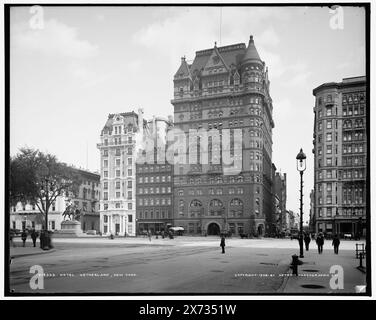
286, 263
31, 254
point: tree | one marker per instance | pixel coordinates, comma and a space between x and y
38, 178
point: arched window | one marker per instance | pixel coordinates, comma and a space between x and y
181, 207
216, 203
195, 203
236, 202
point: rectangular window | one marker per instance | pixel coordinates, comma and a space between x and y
129, 172
118, 173
329, 124
329, 137
129, 195
130, 217
130, 206
117, 184
117, 194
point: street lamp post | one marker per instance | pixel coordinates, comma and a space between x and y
301, 166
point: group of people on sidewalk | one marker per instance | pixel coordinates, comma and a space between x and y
306, 239
43, 236
320, 242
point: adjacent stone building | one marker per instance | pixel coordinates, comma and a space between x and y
86, 200
224, 89
154, 182
340, 149
279, 221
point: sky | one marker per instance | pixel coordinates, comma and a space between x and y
68, 72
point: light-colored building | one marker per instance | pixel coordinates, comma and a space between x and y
340, 149
86, 200
118, 173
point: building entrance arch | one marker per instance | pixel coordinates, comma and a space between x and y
214, 229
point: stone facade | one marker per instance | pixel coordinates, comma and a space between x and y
340, 149
154, 183
118, 173
225, 88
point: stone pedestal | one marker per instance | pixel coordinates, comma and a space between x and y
70, 228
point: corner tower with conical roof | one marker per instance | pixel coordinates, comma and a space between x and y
224, 88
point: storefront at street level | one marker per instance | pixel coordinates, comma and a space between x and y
354, 226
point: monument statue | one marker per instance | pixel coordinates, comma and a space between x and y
71, 226
72, 212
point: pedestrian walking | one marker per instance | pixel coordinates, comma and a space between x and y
320, 242
23, 237
307, 240
336, 243
223, 244
34, 236
149, 235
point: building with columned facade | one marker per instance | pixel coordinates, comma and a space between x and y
86, 200
118, 173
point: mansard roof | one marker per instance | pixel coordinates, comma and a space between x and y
231, 55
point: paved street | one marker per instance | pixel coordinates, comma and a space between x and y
182, 265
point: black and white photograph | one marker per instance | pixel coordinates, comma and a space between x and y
175, 149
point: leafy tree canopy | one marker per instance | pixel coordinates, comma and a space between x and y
38, 178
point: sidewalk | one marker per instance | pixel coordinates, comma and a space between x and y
314, 274
19, 251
